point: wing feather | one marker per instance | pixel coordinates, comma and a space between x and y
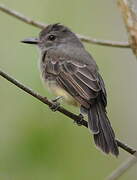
80, 80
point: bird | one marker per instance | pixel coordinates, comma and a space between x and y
69, 71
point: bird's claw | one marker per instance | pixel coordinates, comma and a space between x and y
79, 121
57, 99
54, 107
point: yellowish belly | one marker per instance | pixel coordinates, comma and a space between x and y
57, 91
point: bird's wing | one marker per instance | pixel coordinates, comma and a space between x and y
79, 80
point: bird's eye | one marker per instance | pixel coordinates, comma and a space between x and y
51, 37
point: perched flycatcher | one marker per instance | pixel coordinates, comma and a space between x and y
70, 71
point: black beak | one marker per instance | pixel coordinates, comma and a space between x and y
30, 41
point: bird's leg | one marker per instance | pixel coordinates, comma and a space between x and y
56, 104
57, 98
79, 122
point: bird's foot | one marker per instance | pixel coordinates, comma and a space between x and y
79, 121
54, 107
57, 99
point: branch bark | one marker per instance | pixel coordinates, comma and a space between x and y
62, 110
82, 37
123, 168
129, 14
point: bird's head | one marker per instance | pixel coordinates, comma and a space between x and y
54, 35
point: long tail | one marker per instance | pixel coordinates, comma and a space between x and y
100, 126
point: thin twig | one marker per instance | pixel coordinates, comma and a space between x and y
103, 42
43, 99
129, 14
21, 17
60, 108
82, 37
126, 165
130, 19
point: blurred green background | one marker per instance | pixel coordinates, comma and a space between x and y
38, 144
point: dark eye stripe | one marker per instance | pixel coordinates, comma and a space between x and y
44, 55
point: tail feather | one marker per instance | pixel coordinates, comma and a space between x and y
93, 124
100, 126
100, 142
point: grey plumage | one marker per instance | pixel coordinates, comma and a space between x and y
66, 65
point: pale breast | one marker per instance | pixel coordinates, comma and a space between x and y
49, 78
58, 91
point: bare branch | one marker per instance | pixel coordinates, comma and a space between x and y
43, 99
123, 168
129, 13
104, 42
21, 17
82, 37
60, 108
130, 19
